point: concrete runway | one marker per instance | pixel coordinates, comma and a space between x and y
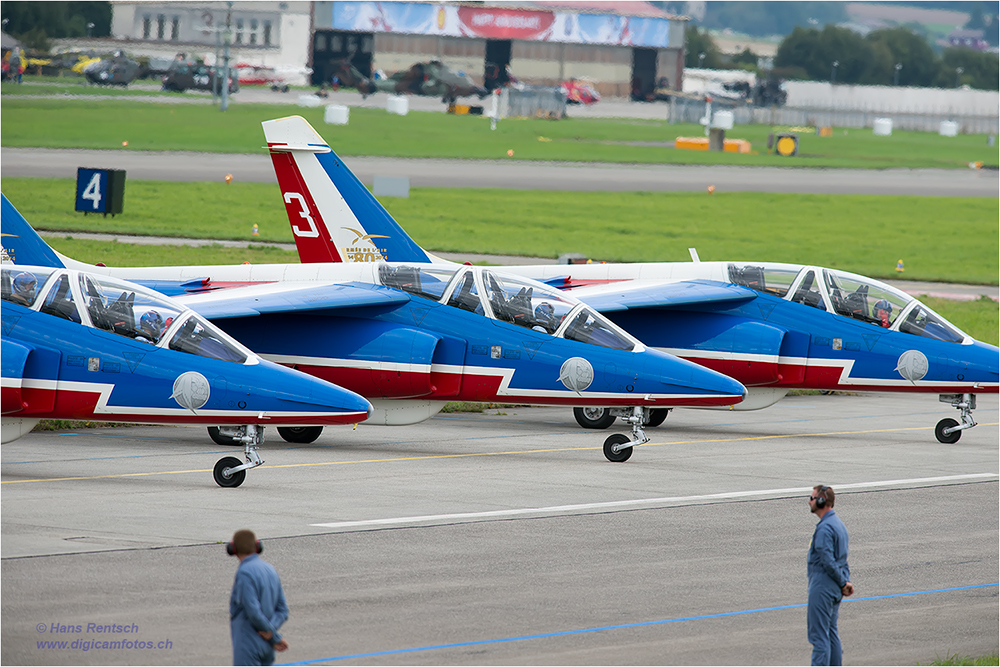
506, 538
257, 168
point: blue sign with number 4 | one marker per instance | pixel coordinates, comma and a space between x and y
92, 190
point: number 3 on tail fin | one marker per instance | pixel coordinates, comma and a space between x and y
311, 232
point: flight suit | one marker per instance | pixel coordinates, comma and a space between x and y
828, 573
257, 603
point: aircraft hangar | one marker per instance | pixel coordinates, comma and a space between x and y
622, 47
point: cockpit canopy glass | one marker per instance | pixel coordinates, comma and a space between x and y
121, 308
865, 300
526, 304
767, 279
125, 310
135, 312
506, 298
429, 282
22, 285
848, 295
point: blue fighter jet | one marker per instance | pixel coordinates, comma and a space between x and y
82, 346
773, 327
412, 337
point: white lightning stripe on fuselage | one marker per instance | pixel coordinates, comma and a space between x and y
104, 390
845, 366
505, 375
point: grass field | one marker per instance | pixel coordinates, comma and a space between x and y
988, 659
103, 120
864, 234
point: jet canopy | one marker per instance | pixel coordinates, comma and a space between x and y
519, 301
848, 295
121, 308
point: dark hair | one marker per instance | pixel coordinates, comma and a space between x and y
826, 492
244, 542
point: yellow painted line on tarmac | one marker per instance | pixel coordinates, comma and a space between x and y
127, 474
476, 454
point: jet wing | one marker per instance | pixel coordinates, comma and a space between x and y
626, 296
276, 298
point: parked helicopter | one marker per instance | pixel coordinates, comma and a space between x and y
184, 74
433, 79
119, 70
773, 327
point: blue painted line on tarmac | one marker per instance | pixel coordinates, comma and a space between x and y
624, 626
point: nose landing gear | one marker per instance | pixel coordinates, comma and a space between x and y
949, 431
228, 471
618, 447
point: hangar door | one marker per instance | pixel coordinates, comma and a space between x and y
332, 46
643, 74
497, 60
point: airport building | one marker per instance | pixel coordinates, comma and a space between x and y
621, 47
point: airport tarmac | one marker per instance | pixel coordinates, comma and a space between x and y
506, 538
517, 174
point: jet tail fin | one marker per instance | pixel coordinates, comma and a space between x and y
334, 217
22, 244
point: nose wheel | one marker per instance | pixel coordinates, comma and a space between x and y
224, 475
618, 447
228, 471
948, 431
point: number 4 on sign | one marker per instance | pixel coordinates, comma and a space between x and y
93, 191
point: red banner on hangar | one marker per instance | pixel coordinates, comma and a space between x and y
496, 23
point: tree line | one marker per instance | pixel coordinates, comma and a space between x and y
35, 23
888, 57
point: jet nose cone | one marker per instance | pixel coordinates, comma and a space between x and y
723, 385
326, 402
337, 399
986, 366
697, 384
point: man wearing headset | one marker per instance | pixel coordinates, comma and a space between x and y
829, 578
257, 606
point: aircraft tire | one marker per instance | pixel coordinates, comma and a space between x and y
621, 455
300, 434
233, 480
219, 439
599, 418
656, 417
950, 438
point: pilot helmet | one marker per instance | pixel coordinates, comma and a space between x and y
151, 324
545, 312
882, 304
24, 286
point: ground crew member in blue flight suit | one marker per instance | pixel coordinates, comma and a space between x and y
829, 578
257, 606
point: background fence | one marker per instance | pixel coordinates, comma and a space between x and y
682, 110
